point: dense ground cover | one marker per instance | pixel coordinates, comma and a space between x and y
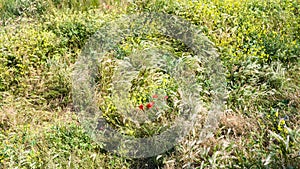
258, 42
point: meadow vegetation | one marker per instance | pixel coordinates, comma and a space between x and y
259, 45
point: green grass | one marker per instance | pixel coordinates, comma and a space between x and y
258, 42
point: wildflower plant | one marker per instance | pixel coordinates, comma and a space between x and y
153, 97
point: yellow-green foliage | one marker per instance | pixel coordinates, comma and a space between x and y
258, 42
25, 51
34, 54
260, 30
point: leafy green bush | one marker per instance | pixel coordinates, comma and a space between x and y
24, 8
73, 27
36, 8
24, 53
36, 58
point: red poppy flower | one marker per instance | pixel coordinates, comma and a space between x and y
141, 107
106, 6
155, 96
149, 105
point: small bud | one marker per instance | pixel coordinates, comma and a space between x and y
141, 107
155, 96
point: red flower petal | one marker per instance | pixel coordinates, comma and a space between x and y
166, 97
149, 105
141, 107
155, 96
